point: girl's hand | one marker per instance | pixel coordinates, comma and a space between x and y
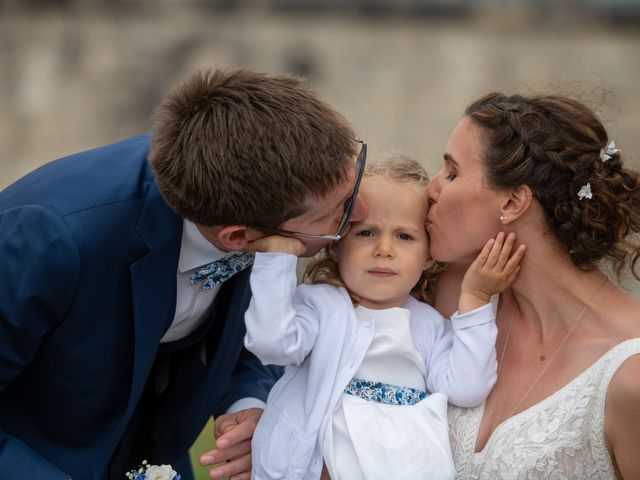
277, 243
492, 272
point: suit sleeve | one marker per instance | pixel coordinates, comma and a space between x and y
462, 363
281, 330
250, 379
38, 274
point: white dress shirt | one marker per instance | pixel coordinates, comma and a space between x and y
193, 306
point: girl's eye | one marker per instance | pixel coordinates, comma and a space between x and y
405, 236
365, 233
450, 177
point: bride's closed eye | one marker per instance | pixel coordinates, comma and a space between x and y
449, 168
451, 174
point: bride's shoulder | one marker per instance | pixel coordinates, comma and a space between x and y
622, 422
625, 383
624, 388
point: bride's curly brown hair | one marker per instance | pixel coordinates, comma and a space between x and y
553, 144
323, 268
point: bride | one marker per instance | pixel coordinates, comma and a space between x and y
566, 402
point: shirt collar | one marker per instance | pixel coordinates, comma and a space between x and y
195, 250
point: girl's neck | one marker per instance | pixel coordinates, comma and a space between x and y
377, 306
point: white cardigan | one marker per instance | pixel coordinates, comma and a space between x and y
314, 332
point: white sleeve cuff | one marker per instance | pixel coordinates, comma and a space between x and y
244, 403
474, 317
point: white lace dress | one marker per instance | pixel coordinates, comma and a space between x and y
367, 440
560, 438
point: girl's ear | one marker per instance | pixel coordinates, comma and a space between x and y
428, 263
331, 248
516, 204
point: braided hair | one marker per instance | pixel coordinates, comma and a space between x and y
553, 145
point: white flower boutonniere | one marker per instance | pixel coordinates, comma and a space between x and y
585, 192
153, 472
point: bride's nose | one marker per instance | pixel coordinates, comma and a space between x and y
433, 191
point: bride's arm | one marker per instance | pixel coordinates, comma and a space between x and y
622, 422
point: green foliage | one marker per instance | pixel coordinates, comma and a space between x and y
203, 443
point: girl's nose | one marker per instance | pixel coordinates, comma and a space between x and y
383, 248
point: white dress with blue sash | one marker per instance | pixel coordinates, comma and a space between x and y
367, 439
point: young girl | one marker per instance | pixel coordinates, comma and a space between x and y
369, 367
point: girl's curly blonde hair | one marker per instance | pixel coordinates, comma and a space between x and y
401, 169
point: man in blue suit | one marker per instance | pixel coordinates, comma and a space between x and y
124, 279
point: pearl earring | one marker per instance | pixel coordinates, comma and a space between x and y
503, 218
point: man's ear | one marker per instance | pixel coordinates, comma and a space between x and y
515, 204
233, 237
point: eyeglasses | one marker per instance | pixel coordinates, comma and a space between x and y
349, 204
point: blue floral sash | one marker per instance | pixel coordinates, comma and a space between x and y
384, 392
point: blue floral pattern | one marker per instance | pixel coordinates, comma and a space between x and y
384, 392
220, 271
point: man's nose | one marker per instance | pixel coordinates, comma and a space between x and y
359, 210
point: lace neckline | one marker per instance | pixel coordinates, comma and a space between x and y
524, 415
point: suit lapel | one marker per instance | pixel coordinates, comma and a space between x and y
199, 388
153, 286
236, 301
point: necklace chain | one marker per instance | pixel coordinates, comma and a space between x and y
553, 356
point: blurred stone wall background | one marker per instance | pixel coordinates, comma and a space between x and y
80, 73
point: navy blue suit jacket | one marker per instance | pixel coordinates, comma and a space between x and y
88, 261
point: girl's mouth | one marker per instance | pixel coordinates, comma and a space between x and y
382, 272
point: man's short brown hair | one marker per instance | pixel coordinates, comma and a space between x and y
236, 146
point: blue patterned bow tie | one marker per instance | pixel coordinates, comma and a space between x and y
215, 273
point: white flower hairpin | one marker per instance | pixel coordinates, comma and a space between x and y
607, 154
585, 192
